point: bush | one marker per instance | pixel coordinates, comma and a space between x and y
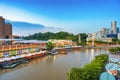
50, 45
114, 50
90, 71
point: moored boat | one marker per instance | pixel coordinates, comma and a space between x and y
54, 52
12, 64
106, 76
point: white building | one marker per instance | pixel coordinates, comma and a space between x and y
104, 32
118, 35
114, 26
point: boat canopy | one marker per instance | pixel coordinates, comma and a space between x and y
114, 58
106, 76
112, 66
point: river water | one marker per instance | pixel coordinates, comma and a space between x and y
51, 67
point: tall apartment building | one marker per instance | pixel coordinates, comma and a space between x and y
114, 27
8, 30
2, 25
104, 32
5, 29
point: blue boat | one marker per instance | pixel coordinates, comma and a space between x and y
106, 76
7, 65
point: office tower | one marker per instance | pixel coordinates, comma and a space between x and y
104, 32
114, 27
118, 30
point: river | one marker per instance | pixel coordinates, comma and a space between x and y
51, 67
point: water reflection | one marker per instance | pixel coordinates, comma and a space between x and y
87, 50
92, 54
51, 67
92, 51
54, 57
50, 59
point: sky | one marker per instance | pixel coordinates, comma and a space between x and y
75, 16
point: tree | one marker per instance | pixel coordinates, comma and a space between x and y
83, 37
115, 40
114, 50
50, 45
90, 71
59, 35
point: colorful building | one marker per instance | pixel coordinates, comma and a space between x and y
63, 43
21, 47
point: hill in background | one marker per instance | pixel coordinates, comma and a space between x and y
26, 28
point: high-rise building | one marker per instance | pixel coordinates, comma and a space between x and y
114, 27
104, 32
2, 25
5, 29
98, 34
108, 31
118, 36
8, 30
118, 30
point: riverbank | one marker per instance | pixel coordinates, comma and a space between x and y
13, 61
107, 46
90, 71
64, 50
51, 67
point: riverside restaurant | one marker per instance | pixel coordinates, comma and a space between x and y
22, 49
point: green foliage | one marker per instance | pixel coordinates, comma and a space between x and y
90, 71
118, 41
83, 37
50, 46
50, 35
114, 50
82, 43
99, 42
114, 39
59, 35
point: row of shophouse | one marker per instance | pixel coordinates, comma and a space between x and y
21, 47
63, 43
18, 47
